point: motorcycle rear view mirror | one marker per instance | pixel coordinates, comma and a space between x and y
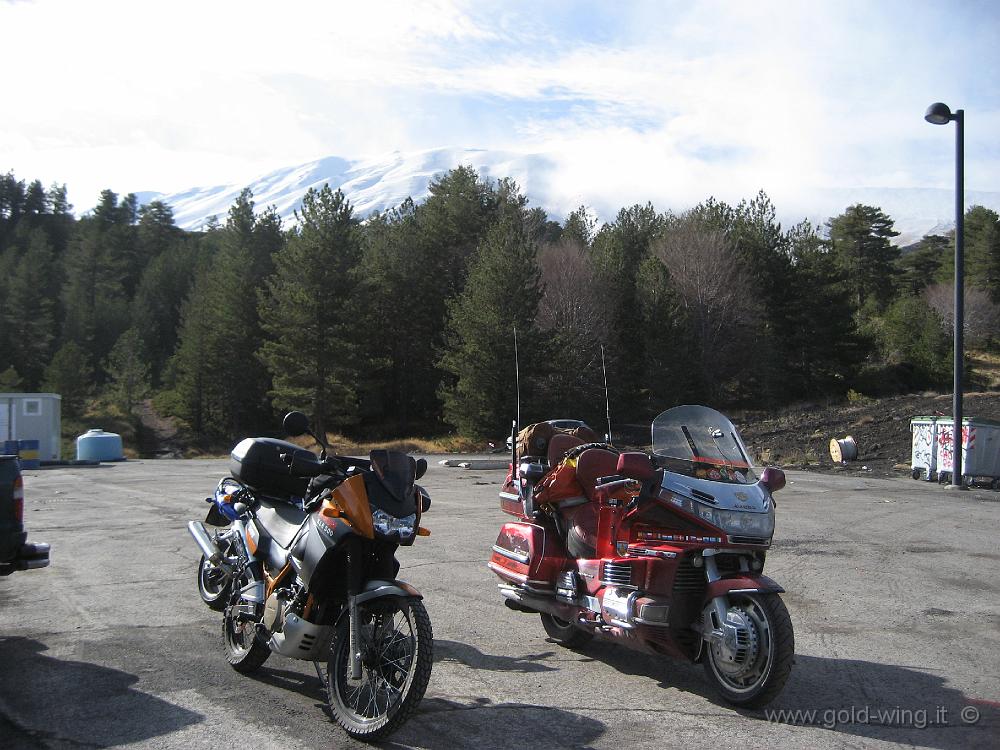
295, 423
772, 478
421, 468
635, 466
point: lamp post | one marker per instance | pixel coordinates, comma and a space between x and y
940, 114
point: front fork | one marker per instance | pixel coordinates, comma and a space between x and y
720, 604
716, 627
354, 586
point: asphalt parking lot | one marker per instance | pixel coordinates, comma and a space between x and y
893, 589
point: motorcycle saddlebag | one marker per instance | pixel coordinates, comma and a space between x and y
526, 555
257, 463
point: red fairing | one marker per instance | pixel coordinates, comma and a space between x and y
762, 584
525, 554
510, 500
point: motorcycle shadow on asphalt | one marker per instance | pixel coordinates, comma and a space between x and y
46, 698
473, 657
884, 702
442, 724
305, 683
865, 699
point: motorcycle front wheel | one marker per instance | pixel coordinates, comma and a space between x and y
397, 648
751, 670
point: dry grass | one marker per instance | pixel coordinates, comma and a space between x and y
345, 446
985, 367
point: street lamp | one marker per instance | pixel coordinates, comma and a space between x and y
940, 114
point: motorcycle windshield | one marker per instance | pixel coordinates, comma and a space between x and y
700, 442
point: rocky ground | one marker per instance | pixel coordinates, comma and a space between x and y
799, 436
793, 437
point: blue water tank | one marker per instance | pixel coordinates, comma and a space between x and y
98, 445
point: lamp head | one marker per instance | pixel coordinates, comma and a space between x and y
939, 114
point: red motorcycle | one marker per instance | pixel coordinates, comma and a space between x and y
662, 552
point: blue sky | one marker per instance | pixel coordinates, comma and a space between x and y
663, 101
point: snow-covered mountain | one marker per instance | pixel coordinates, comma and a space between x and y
381, 183
370, 184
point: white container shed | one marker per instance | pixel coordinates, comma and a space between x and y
33, 416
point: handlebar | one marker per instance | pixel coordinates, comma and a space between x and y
302, 467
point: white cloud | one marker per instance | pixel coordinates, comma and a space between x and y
672, 99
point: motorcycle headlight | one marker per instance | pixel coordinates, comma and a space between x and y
739, 521
390, 526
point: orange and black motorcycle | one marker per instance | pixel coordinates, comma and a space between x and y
663, 552
302, 564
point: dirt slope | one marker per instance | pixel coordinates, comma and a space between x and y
799, 436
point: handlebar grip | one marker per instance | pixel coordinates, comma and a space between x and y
300, 467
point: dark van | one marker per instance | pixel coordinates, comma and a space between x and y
15, 551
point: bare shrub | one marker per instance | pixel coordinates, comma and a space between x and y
981, 318
718, 296
570, 301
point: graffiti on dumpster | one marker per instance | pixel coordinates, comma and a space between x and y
946, 445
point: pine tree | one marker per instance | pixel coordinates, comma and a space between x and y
70, 375
199, 362
924, 264
156, 310
982, 250
309, 309
823, 349
860, 240
128, 372
619, 250
219, 380
27, 311
501, 294
579, 227
399, 395
93, 297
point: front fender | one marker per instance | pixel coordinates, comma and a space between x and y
742, 585
377, 589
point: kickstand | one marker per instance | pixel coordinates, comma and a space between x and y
322, 678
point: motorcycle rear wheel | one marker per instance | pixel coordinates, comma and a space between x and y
244, 649
397, 647
759, 674
213, 587
565, 633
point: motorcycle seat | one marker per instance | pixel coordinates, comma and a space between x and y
559, 444
279, 520
594, 463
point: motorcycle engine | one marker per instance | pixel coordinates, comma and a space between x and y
275, 609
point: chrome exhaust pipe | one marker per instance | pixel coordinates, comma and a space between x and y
212, 553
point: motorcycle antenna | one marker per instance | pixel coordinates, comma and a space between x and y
607, 398
517, 378
517, 422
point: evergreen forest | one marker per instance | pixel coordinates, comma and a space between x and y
403, 323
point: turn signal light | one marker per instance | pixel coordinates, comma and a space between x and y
421, 531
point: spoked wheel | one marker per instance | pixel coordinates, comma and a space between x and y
397, 648
213, 585
751, 665
244, 650
565, 633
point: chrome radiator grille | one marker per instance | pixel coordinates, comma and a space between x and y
617, 574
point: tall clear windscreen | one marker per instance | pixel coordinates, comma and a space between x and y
700, 442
